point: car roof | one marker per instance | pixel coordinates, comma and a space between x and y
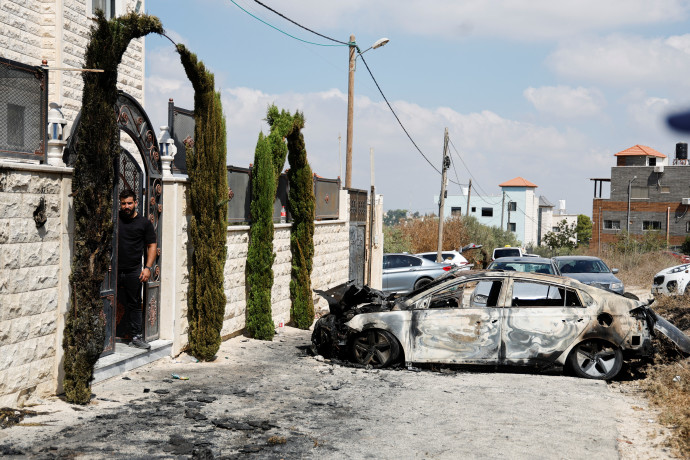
452, 251
529, 260
576, 258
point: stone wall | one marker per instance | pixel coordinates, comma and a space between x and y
57, 31
32, 277
35, 267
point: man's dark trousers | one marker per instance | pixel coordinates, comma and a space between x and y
129, 294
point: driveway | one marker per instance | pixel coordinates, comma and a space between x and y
275, 400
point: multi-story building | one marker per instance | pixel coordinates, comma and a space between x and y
648, 193
518, 209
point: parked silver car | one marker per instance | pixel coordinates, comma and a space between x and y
492, 318
525, 264
403, 273
590, 270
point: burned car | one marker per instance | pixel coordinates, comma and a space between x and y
492, 318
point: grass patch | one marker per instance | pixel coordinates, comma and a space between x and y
667, 378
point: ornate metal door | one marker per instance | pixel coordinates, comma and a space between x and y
133, 120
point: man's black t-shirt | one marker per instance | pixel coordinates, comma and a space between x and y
133, 236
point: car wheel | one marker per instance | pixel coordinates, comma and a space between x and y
322, 341
376, 348
421, 283
596, 359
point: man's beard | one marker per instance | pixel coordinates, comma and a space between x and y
127, 213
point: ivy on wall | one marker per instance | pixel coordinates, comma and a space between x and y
208, 197
301, 203
92, 184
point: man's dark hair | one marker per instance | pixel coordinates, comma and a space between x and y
126, 193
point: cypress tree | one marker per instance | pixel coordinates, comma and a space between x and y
301, 204
208, 193
92, 185
260, 255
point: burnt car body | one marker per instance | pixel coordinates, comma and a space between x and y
492, 318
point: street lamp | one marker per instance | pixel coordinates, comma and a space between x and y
354, 52
627, 228
167, 148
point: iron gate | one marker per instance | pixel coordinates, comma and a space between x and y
147, 183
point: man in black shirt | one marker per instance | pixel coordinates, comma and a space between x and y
135, 233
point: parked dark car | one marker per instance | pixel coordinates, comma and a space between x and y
403, 273
590, 270
492, 318
527, 264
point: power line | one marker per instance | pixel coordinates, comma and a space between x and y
299, 25
396, 115
285, 33
340, 43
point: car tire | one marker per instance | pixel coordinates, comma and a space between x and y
596, 359
420, 283
375, 348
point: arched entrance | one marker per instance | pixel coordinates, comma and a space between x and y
142, 173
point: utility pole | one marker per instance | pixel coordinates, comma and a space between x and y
469, 192
350, 107
372, 208
442, 199
503, 207
340, 160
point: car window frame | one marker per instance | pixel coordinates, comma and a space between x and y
424, 301
509, 295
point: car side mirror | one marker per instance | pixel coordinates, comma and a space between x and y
614, 270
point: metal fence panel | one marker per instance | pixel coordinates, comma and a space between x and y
23, 110
281, 199
327, 195
239, 193
181, 124
358, 205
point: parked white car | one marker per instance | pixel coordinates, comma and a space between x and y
449, 257
672, 281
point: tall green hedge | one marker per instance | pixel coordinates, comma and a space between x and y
301, 203
92, 184
260, 255
208, 196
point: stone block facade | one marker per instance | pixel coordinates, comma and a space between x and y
57, 31
31, 278
35, 266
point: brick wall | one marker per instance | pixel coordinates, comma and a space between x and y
639, 211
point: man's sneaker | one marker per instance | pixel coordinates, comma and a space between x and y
138, 341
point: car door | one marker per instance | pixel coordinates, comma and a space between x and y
400, 272
540, 321
457, 323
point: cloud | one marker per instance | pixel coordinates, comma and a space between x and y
515, 19
625, 61
566, 102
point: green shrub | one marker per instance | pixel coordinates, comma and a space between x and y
260, 255
208, 196
92, 184
301, 202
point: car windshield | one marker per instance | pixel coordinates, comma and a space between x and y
582, 266
522, 267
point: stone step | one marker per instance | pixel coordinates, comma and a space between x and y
126, 358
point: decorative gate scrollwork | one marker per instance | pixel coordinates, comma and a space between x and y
147, 183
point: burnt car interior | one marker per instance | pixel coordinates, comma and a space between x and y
543, 295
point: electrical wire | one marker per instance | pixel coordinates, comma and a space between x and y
285, 33
299, 25
340, 43
396, 115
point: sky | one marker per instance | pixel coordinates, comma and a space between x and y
541, 89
